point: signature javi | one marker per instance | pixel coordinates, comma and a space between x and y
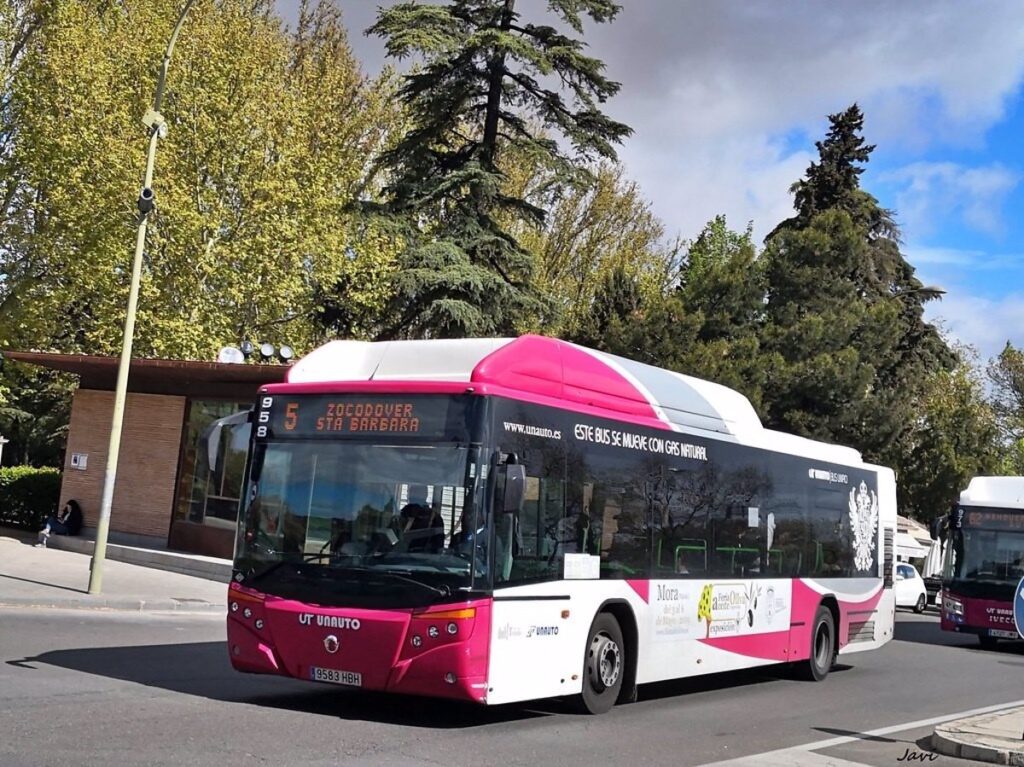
916, 756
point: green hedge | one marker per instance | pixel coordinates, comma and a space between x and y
28, 495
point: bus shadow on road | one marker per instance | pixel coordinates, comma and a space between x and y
680, 688
929, 632
203, 669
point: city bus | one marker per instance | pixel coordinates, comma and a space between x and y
502, 520
984, 559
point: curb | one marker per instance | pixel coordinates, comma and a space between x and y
85, 602
207, 568
947, 740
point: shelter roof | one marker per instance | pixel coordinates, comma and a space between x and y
191, 378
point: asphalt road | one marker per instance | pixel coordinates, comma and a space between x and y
85, 688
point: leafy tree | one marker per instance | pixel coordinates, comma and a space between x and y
624, 319
592, 229
1006, 375
269, 135
722, 280
35, 416
484, 75
954, 437
844, 311
704, 322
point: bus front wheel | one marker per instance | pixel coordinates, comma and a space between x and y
604, 665
823, 647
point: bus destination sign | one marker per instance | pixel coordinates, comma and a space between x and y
353, 415
995, 519
368, 415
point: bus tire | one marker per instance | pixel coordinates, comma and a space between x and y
604, 665
823, 647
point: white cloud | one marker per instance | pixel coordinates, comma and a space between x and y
709, 87
931, 192
969, 312
919, 255
954, 262
743, 182
714, 89
984, 323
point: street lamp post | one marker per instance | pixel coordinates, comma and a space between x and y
3, 441
157, 130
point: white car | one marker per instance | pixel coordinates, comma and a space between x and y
909, 588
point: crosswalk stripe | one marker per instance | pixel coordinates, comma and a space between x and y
788, 758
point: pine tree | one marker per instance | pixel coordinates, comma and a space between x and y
844, 311
484, 76
834, 182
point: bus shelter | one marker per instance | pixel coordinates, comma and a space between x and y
168, 494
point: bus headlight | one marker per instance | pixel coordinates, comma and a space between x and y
953, 606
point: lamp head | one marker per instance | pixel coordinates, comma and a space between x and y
230, 354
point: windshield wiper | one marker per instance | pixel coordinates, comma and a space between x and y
255, 576
443, 591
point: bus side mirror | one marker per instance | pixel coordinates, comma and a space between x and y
212, 434
515, 487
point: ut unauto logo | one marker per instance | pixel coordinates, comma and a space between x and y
542, 631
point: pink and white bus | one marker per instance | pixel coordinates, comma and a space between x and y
499, 520
984, 559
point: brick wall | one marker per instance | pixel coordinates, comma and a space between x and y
150, 442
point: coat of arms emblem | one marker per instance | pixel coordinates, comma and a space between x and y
864, 521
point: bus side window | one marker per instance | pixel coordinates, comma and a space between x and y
533, 540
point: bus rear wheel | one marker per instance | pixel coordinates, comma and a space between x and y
823, 647
604, 665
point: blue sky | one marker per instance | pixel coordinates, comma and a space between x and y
726, 100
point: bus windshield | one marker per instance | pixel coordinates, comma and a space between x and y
356, 524
988, 547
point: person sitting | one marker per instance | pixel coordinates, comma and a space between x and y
68, 521
422, 526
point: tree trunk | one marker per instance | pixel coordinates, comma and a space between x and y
489, 143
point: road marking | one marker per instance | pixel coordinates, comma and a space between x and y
788, 758
799, 756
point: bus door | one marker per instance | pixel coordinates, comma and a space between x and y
534, 651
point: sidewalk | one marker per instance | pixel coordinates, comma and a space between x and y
997, 737
55, 578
